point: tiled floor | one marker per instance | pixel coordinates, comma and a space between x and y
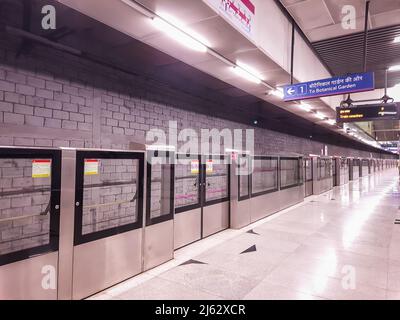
340, 245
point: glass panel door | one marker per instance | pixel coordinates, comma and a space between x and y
160, 187
109, 194
187, 182
216, 176
29, 202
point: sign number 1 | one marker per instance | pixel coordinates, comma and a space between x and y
303, 89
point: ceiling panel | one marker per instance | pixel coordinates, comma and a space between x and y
384, 6
311, 14
129, 20
221, 36
291, 2
345, 54
321, 19
256, 60
335, 7
388, 18
187, 11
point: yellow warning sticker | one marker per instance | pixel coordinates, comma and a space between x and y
209, 166
41, 168
91, 167
194, 166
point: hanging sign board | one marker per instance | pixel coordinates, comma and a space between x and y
209, 166
371, 112
351, 83
41, 168
194, 166
240, 13
91, 167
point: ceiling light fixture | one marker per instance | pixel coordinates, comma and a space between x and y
320, 115
394, 68
249, 69
278, 93
178, 35
305, 106
246, 74
396, 40
332, 122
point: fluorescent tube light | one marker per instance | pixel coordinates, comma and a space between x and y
394, 68
320, 115
245, 74
178, 35
278, 93
305, 107
249, 69
396, 40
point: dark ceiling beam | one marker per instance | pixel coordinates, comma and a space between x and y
26, 45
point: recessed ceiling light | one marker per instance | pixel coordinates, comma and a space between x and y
396, 40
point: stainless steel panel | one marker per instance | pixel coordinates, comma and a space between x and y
187, 227
22, 280
158, 244
67, 208
308, 188
321, 186
291, 196
263, 206
356, 173
215, 218
240, 213
102, 263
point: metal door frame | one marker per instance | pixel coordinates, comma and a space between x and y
170, 216
81, 155
52, 209
118, 249
203, 187
306, 182
18, 260
158, 232
201, 195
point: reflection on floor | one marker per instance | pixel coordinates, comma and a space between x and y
340, 245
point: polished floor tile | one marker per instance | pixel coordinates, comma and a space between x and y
162, 289
339, 245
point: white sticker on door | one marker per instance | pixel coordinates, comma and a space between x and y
41, 168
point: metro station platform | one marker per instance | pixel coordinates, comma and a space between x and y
342, 244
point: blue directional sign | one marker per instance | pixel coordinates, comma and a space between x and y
329, 87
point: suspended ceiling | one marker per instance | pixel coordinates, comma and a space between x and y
342, 49
185, 68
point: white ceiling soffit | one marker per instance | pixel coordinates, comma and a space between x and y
222, 37
322, 19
